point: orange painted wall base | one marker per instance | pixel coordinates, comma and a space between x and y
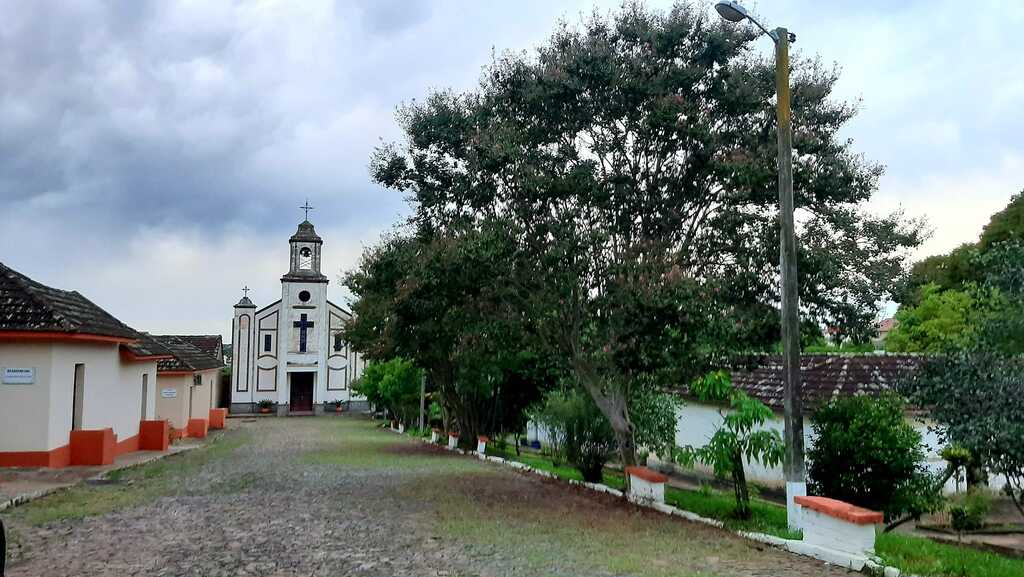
218, 417
197, 428
94, 447
154, 435
129, 445
56, 458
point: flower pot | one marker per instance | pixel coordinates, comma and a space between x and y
338, 409
265, 410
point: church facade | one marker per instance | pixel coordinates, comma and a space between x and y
291, 352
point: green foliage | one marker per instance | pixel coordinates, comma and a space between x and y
1007, 224
445, 302
578, 430
632, 160
264, 404
968, 511
943, 320
976, 399
866, 453
394, 386
654, 416
740, 436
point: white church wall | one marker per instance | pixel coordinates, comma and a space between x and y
24, 422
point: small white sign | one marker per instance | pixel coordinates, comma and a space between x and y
168, 393
19, 376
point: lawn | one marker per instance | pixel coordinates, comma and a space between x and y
911, 554
128, 487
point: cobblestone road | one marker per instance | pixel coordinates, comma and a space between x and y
325, 496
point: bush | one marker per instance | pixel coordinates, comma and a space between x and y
968, 512
740, 435
577, 431
393, 386
866, 453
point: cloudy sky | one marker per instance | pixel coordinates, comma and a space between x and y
153, 155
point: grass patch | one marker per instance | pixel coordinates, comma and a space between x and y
927, 558
766, 517
363, 445
134, 486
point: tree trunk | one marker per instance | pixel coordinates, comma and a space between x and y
739, 484
612, 403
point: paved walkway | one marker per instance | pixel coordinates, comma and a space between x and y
18, 484
333, 496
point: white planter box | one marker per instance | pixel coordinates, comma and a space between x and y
435, 436
453, 441
481, 445
839, 526
645, 485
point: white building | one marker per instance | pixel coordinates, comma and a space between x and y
291, 352
77, 384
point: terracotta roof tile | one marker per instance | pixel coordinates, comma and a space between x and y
824, 377
187, 357
26, 305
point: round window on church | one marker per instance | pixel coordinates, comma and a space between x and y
304, 296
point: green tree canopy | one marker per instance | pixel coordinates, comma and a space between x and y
632, 160
943, 320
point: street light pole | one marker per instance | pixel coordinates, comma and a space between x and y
794, 434
796, 484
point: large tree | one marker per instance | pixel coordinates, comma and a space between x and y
441, 301
633, 160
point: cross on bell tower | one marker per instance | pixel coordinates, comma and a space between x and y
306, 208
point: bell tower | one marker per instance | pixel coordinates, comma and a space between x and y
304, 253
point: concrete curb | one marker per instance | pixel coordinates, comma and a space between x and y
867, 565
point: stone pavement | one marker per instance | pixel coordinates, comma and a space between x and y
298, 498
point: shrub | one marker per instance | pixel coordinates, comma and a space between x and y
393, 386
866, 453
740, 435
577, 430
968, 512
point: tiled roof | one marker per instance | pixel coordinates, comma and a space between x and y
824, 377
209, 344
147, 346
26, 305
187, 357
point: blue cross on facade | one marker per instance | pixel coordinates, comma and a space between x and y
302, 324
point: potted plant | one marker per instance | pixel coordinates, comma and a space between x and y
337, 406
264, 406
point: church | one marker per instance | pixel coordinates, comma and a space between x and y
291, 352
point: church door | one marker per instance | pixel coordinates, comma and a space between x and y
301, 391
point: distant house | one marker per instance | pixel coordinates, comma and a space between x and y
189, 379
885, 326
824, 378
78, 385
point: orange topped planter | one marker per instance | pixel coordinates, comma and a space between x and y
840, 510
646, 474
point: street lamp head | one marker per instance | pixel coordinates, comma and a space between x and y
731, 10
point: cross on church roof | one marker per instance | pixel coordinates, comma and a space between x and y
307, 208
245, 290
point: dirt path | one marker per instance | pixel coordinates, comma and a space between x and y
333, 496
